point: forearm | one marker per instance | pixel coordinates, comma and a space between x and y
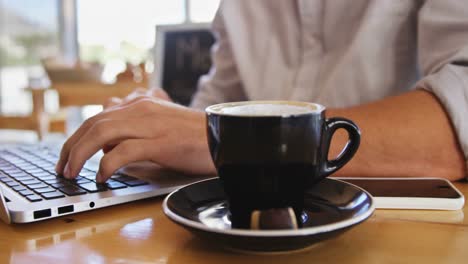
406, 135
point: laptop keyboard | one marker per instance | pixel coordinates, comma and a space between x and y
30, 171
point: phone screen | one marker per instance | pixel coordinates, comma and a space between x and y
424, 188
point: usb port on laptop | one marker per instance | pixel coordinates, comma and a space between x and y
66, 209
42, 213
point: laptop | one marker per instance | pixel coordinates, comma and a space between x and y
31, 191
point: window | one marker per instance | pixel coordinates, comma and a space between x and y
114, 32
28, 32
111, 32
122, 29
203, 10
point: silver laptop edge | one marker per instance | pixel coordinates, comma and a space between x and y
17, 209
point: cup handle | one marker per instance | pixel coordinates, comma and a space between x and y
273, 219
354, 139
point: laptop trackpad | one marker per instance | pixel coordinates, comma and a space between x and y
154, 173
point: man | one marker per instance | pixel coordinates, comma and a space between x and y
399, 69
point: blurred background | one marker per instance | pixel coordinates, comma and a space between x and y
95, 38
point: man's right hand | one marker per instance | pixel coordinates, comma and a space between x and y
142, 128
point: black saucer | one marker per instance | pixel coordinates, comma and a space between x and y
331, 207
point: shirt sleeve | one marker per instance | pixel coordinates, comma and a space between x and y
443, 58
222, 83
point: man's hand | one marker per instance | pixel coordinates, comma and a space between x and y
408, 135
142, 128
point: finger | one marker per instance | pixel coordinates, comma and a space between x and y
128, 111
100, 134
71, 141
127, 151
108, 147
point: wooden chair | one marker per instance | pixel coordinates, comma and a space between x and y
37, 121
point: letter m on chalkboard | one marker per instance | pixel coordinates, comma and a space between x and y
184, 57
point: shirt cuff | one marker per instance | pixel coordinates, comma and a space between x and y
450, 85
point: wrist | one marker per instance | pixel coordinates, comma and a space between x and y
203, 155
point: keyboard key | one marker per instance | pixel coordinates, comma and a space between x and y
49, 167
28, 166
37, 185
53, 172
87, 173
72, 190
4, 161
82, 181
26, 192
42, 174
5, 168
123, 178
78, 180
51, 159
12, 170
33, 159
6, 179
12, 183
88, 168
19, 188
70, 182
44, 190
30, 182
41, 163
115, 185
19, 174
60, 185
90, 177
10, 158
136, 183
52, 195
25, 178
34, 171
51, 177
10, 166
55, 180
93, 187
21, 163
34, 198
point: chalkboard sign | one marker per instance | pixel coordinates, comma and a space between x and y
182, 55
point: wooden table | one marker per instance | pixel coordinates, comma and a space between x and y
139, 232
37, 120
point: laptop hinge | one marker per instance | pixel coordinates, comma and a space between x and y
4, 213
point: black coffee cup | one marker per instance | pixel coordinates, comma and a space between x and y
268, 153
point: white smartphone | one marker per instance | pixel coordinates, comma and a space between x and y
411, 193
